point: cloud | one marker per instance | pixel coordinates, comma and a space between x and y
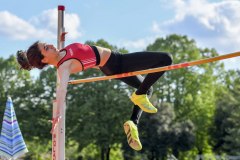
136, 45
211, 24
72, 26
43, 26
48, 19
16, 28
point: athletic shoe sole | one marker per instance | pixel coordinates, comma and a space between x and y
134, 144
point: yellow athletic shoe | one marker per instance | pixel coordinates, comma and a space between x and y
143, 102
131, 131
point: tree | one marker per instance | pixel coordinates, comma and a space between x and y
183, 132
225, 132
29, 107
156, 132
192, 89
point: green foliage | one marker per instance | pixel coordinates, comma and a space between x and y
162, 135
225, 131
191, 90
187, 123
36, 149
103, 43
90, 152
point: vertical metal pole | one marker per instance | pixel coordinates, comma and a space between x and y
61, 29
58, 135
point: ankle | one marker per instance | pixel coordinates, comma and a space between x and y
135, 122
140, 93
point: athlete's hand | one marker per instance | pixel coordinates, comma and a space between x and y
55, 122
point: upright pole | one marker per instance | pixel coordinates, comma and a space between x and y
61, 29
58, 134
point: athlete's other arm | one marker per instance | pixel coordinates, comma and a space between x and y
63, 73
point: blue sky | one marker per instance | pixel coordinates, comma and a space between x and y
132, 24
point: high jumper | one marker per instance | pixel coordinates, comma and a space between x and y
79, 57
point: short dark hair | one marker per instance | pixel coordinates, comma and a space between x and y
32, 58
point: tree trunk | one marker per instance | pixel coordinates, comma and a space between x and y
108, 153
200, 153
102, 153
175, 152
152, 155
105, 153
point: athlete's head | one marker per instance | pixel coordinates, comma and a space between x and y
38, 56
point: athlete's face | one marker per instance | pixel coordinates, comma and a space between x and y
48, 51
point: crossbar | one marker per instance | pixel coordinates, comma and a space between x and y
153, 70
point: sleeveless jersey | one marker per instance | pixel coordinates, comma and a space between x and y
81, 52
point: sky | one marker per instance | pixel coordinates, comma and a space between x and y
133, 24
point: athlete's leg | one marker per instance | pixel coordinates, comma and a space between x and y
122, 63
145, 60
130, 127
133, 62
140, 61
113, 67
136, 81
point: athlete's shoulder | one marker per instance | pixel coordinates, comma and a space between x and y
76, 44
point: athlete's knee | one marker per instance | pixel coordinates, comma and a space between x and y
150, 91
165, 58
168, 58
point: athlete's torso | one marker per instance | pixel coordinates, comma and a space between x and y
82, 53
82, 57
